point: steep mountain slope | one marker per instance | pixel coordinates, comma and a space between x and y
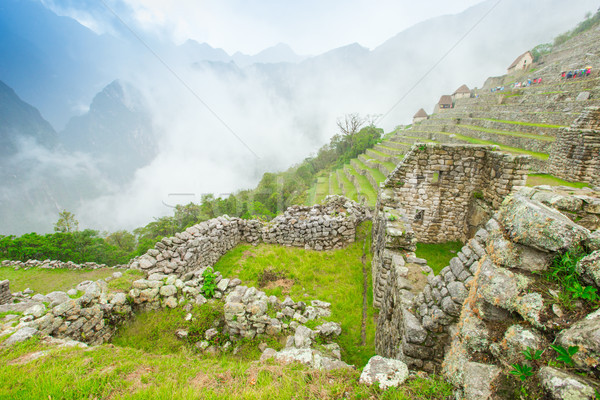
19, 121
117, 132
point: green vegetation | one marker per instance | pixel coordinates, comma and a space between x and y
438, 255
521, 371
565, 355
506, 133
546, 179
522, 123
508, 149
122, 373
79, 247
541, 49
564, 272
209, 285
589, 22
334, 276
49, 280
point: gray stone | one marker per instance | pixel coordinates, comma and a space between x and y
385, 371
36, 310
457, 291
582, 96
303, 337
586, 335
210, 333
21, 335
168, 290
57, 298
329, 329
534, 224
83, 285
223, 284
43, 299
589, 269
171, 302
414, 332
478, 379
560, 385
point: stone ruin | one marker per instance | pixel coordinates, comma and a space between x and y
331, 225
476, 316
575, 154
52, 264
174, 272
5, 294
444, 193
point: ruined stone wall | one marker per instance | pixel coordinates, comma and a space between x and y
490, 303
575, 155
5, 295
53, 264
320, 227
434, 186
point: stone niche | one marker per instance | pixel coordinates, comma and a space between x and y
575, 154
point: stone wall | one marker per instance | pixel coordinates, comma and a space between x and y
5, 295
435, 185
331, 225
53, 264
575, 155
474, 318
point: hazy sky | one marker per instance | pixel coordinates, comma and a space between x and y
310, 27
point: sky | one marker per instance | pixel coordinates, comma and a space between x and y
309, 27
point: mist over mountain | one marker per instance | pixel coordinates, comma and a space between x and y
137, 126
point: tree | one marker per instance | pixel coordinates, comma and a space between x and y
66, 222
350, 124
123, 240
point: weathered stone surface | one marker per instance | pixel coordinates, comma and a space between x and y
478, 379
413, 330
329, 329
588, 269
36, 310
57, 298
21, 335
303, 337
385, 371
518, 339
534, 224
560, 385
586, 335
310, 357
168, 290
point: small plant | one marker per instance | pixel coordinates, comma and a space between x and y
477, 195
532, 354
583, 292
209, 286
392, 218
422, 147
521, 371
565, 355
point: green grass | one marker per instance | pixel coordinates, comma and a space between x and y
508, 149
118, 373
42, 280
507, 133
335, 187
349, 188
322, 189
333, 276
546, 179
366, 188
312, 193
379, 177
438, 255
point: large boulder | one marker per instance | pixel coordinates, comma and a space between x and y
21, 335
584, 334
387, 372
478, 380
588, 269
534, 224
561, 385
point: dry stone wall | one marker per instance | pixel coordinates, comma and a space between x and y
331, 225
53, 264
575, 155
491, 302
5, 295
435, 185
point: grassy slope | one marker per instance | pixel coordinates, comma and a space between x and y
545, 179
438, 255
333, 276
112, 372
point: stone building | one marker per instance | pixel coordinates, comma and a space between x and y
444, 103
421, 115
521, 63
462, 92
575, 154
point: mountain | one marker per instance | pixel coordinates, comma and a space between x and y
117, 132
280, 53
19, 121
196, 52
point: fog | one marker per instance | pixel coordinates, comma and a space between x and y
265, 117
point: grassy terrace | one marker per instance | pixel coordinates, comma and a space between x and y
507, 133
349, 188
322, 188
546, 179
438, 255
381, 153
524, 123
365, 186
333, 179
508, 149
379, 177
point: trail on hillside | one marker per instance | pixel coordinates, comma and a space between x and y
363, 328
